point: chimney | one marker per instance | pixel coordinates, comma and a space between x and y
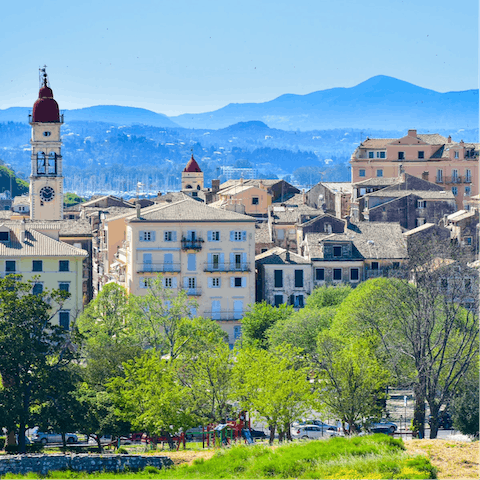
139, 208
449, 139
412, 133
241, 181
215, 185
22, 230
347, 222
425, 176
159, 194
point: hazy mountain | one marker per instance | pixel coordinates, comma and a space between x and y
101, 113
381, 102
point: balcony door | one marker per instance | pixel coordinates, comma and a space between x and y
147, 262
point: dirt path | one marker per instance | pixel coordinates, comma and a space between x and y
188, 456
454, 460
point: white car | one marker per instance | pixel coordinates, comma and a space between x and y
43, 437
311, 431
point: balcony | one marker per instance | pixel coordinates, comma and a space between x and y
224, 315
192, 244
193, 292
158, 267
227, 267
453, 179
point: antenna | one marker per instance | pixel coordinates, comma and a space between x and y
42, 76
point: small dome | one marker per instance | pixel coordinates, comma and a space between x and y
192, 166
45, 109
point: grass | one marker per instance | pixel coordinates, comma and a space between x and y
372, 457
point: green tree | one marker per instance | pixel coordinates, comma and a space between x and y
32, 350
327, 296
273, 385
259, 319
349, 379
465, 405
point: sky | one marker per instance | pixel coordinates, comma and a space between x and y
190, 56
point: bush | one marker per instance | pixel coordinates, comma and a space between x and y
151, 469
2, 442
122, 451
31, 448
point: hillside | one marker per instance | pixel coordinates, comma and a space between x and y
380, 102
9, 181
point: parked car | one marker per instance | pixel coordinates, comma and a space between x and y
311, 431
43, 437
318, 423
258, 434
444, 420
383, 426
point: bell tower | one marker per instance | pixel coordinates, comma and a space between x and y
192, 177
46, 179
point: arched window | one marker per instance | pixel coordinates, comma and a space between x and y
41, 167
198, 187
52, 163
188, 186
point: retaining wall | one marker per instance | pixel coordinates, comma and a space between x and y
24, 464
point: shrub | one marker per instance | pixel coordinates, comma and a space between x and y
122, 451
151, 469
2, 442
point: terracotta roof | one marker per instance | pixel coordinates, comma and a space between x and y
188, 211
376, 142
36, 245
432, 138
377, 182
279, 256
117, 202
192, 166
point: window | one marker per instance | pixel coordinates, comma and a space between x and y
3, 236
468, 240
64, 265
278, 300
255, 201
401, 155
191, 283
47, 134
280, 234
64, 319
215, 261
238, 236
370, 154
337, 274
327, 228
191, 262
454, 175
237, 332
216, 282
167, 281
361, 172
299, 301
37, 288
237, 282
419, 222
421, 204
194, 194
456, 155
64, 286
455, 190
147, 236
379, 172
439, 175
37, 266
374, 265
354, 274
10, 266
421, 154
382, 154
170, 236
320, 274
144, 282
337, 251
298, 278
468, 175
213, 236
278, 282
468, 191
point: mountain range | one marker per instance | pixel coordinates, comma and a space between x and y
380, 102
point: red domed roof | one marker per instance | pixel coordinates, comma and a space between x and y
45, 109
192, 166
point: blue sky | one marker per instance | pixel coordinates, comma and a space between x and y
180, 56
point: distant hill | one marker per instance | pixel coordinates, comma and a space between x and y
101, 113
381, 102
9, 181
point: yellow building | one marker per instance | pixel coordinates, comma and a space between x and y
210, 253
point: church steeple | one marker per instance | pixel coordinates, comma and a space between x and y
192, 177
46, 180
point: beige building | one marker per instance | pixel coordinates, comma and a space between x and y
255, 200
428, 156
207, 252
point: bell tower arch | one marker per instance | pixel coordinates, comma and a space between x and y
46, 179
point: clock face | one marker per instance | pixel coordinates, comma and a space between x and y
47, 194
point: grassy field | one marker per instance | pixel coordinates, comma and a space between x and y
453, 460
372, 457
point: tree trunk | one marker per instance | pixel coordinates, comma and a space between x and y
64, 441
99, 443
289, 433
272, 434
281, 435
419, 410
433, 421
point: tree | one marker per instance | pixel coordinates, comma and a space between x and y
259, 319
327, 296
164, 320
274, 385
465, 405
350, 379
32, 350
105, 333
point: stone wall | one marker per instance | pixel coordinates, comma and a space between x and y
42, 464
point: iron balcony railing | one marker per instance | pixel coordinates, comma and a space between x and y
226, 267
159, 267
189, 244
194, 292
224, 315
